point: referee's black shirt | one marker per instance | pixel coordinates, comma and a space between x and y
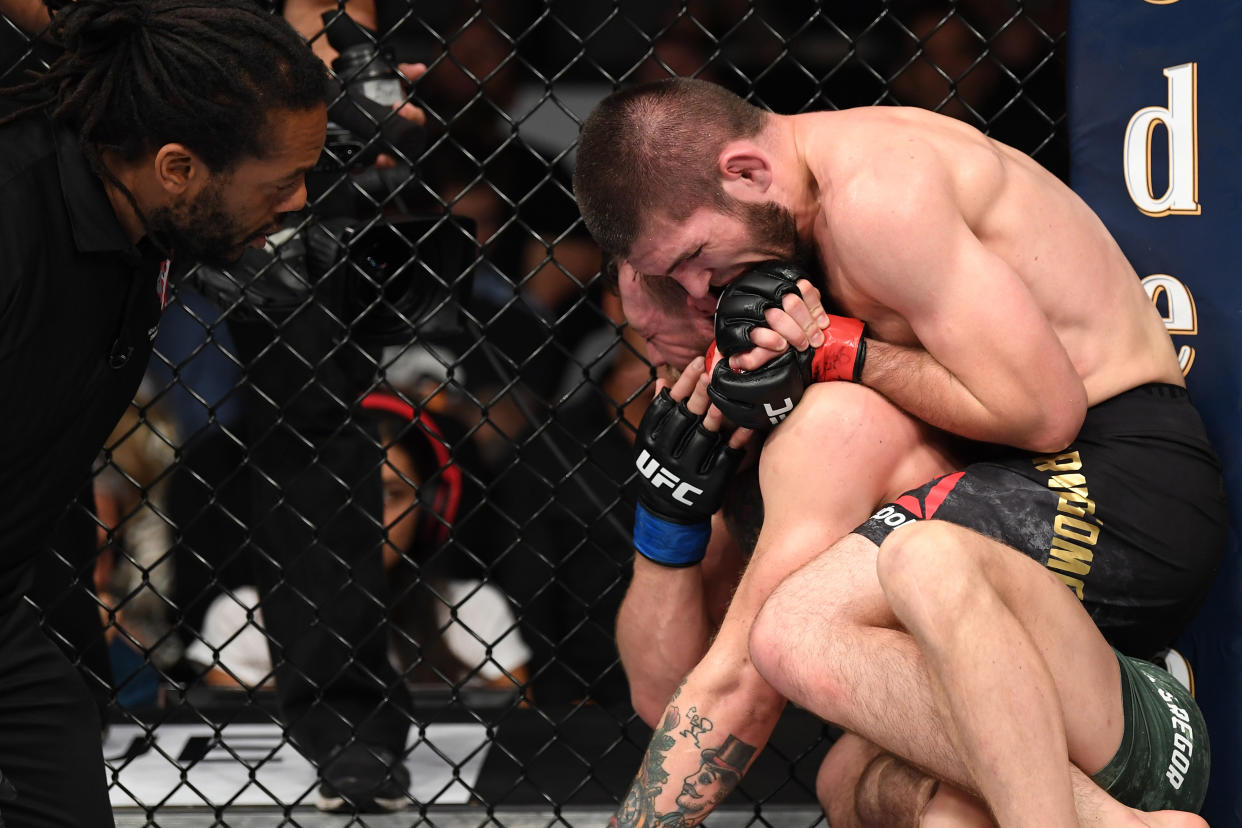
78, 308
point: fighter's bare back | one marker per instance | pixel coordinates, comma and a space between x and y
936, 173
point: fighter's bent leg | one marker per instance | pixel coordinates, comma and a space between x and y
827, 640
996, 689
1023, 677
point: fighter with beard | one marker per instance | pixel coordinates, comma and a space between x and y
165, 125
997, 308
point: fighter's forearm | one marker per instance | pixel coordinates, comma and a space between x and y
662, 632
668, 617
708, 737
1010, 415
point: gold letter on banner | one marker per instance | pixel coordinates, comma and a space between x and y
1180, 122
1176, 304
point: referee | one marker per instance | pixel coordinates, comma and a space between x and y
166, 125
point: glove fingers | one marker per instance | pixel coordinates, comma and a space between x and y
671, 462
666, 423
723, 391
737, 314
677, 427
742, 304
769, 280
733, 337
727, 458
699, 447
736, 305
717, 456
761, 398
656, 413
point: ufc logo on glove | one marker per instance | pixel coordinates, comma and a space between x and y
775, 415
658, 476
672, 521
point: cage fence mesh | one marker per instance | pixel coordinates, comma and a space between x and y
376, 484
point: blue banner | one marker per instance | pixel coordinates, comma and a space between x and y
1155, 132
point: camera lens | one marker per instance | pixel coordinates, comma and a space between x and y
370, 71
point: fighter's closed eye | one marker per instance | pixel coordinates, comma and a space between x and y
664, 289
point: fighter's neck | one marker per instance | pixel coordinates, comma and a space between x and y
807, 182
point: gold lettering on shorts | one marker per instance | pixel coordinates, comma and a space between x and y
1071, 527
1070, 557
1071, 553
1059, 462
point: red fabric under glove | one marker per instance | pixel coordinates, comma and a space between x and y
837, 358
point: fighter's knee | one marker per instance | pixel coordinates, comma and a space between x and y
825, 408
772, 639
913, 563
766, 642
790, 651
824, 403
917, 550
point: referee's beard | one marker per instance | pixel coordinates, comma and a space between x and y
202, 230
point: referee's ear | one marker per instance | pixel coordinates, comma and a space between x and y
178, 169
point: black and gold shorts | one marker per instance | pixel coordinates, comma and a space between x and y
1132, 516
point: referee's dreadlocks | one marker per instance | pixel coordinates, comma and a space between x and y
138, 74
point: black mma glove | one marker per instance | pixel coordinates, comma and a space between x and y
684, 470
761, 398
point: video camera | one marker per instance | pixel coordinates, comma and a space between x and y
387, 273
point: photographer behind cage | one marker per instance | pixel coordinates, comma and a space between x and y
137, 142
309, 314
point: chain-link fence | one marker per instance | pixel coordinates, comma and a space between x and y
375, 487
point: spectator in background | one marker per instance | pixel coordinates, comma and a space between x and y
443, 625
537, 262
315, 536
569, 502
231, 647
134, 574
988, 67
314, 511
446, 629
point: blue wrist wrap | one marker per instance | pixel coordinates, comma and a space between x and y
668, 543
